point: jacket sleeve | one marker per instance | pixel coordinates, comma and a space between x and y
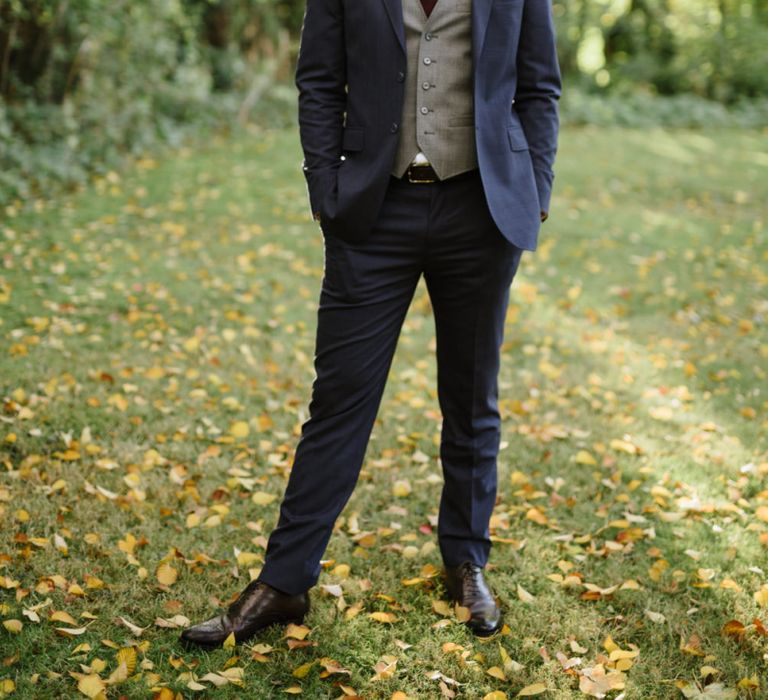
321, 79
538, 91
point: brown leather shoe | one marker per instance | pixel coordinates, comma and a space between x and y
257, 607
466, 585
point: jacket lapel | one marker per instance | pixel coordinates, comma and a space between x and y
395, 11
481, 11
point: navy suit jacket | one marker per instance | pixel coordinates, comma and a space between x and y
351, 73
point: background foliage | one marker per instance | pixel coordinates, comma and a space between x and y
83, 82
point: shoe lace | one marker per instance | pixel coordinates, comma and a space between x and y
470, 578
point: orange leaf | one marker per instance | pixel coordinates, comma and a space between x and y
734, 629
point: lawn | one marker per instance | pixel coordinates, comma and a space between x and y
156, 363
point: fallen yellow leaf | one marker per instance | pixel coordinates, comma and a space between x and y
166, 574
13, 626
441, 607
584, 457
761, 596
462, 614
495, 695
127, 655
239, 429
383, 617
61, 616
91, 686
261, 498
293, 631
303, 670
524, 595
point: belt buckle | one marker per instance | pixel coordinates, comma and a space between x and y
417, 180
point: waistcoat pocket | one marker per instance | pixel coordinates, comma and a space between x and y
462, 120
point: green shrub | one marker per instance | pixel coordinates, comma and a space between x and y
643, 109
87, 82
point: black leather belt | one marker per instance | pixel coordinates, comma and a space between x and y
425, 174
421, 174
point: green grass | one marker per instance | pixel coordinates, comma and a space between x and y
163, 305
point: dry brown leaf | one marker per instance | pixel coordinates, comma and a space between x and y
384, 668
596, 682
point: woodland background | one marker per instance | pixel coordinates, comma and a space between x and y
84, 82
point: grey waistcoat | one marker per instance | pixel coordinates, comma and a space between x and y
438, 112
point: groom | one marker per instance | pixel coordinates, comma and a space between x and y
429, 130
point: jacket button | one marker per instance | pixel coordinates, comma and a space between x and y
400, 77
393, 129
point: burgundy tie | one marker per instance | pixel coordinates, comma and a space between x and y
428, 5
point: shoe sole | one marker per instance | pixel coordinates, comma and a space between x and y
486, 633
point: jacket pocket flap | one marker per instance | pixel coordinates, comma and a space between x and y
353, 138
517, 140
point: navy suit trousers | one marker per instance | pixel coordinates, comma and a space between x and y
444, 231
